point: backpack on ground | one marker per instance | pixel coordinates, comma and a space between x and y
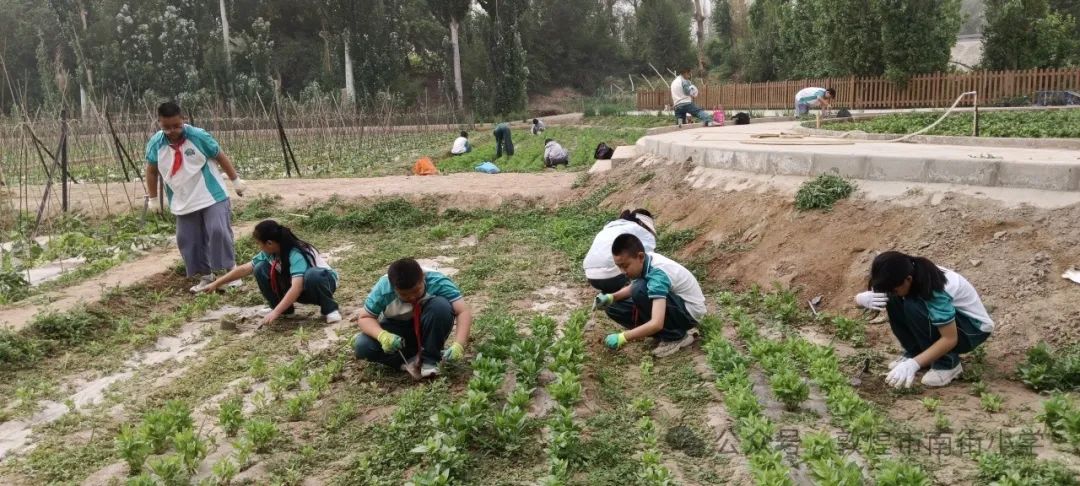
742, 118
603, 152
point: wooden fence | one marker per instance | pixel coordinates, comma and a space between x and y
927, 91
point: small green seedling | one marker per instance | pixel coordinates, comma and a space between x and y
133, 447
169, 470
257, 368
941, 422
790, 388
896, 473
991, 402
190, 448
224, 471
930, 403
261, 433
231, 416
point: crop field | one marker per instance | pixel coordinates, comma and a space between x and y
1034, 124
151, 385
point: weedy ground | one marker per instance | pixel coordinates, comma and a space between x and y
761, 399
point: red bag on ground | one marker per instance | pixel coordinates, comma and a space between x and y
424, 166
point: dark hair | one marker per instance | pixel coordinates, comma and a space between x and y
464, 134
632, 216
535, 121
168, 109
891, 268
686, 69
404, 274
548, 140
832, 92
627, 245
270, 230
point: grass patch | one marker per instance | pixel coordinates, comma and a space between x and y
1028, 124
823, 192
1046, 368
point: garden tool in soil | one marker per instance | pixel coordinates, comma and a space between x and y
857, 379
411, 367
816, 301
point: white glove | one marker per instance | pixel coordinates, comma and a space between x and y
239, 186
872, 300
153, 205
903, 375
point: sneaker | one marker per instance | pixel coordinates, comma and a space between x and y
289, 314
333, 317
941, 377
429, 370
203, 282
668, 348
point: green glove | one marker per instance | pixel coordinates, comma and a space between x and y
615, 341
390, 342
603, 300
454, 352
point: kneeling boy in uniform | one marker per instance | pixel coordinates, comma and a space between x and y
408, 315
664, 299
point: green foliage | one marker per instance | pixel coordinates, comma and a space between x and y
190, 448
819, 445
996, 468
767, 468
834, 472
231, 416
17, 350
224, 471
1047, 369
991, 402
66, 328
789, 388
566, 389
663, 38
169, 470
1026, 34
13, 287
850, 329
298, 406
672, 240
1027, 124
133, 447
823, 191
261, 433
755, 433
930, 403
942, 422
896, 473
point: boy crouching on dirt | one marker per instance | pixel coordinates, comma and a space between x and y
664, 299
407, 317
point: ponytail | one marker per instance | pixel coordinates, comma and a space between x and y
270, 230
891, 268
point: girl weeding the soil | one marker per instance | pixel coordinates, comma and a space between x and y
935, 313
599, 264
303, 277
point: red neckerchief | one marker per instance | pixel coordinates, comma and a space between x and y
416, 327
178, 157
274, 286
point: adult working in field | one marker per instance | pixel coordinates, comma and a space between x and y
461, 145
683, 93
555, 154
301, 276
181, 156
407, 317
808, 98
599, 264
503, 141
934, 312
665, 299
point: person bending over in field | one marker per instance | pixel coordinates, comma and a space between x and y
599, 265
461, 145
181, 156
407, 317
664, 299
302, 276
935, 313
555, 154
503, 140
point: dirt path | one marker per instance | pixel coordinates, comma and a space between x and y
466, 189
459, 190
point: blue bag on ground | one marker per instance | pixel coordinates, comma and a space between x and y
488, 168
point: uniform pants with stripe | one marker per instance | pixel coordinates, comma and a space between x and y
637, 310
205, 239
909, 319
436, 321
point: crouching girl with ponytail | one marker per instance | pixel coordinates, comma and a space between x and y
289, 271
935, 313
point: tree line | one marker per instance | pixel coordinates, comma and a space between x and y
488, 55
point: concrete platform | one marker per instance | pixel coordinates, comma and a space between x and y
726, 148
